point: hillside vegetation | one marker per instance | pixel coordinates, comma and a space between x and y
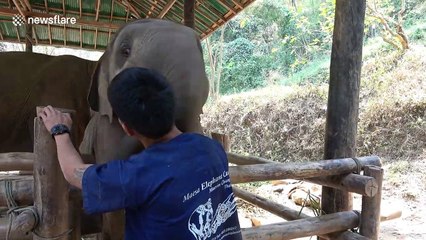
286, 123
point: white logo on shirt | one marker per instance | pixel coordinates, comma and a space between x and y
209, 221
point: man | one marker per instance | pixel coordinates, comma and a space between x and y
177, 188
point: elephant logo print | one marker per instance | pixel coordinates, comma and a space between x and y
204, 221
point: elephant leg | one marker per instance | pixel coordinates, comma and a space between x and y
108, 138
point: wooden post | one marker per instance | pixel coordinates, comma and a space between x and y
188, 13
51, 190
343, 96
222, 139
370, 213
28, 37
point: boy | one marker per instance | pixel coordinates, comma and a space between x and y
177, 188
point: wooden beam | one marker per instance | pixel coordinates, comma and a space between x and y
152, 9
111, 10
288, 213
80, 7
96, 38
17, 34
47, 7
28, 37
343, 95
364, 185
227, 6
65, 35
277, 171
86, 14
98, 5
20, 10
188, 13
370, 213
63, 8
134, 10
109, 36
35, 34
237, 4
246, 160
303, 227
166, 9
49, 32
1, 34
81, 37
27, 4
21, 189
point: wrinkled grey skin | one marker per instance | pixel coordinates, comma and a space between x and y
28, 80
170, 48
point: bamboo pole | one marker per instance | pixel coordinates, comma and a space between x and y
370, 213
51, 195
321, 225
277, 171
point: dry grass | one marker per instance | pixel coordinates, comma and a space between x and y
287, 124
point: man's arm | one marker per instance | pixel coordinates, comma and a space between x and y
70, 160
71, 163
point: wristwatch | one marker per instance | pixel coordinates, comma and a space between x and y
59, 129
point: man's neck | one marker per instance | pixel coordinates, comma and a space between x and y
174, 132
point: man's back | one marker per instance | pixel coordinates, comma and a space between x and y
178, 189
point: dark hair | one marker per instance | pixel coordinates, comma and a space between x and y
143, 100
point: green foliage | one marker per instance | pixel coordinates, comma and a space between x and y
273, 38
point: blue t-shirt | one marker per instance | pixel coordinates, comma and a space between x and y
174, 190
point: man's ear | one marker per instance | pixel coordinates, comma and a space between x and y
129, 131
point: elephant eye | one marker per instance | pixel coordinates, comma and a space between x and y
125, 50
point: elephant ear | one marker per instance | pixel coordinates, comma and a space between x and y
98, 97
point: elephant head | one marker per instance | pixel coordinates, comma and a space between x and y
169, 48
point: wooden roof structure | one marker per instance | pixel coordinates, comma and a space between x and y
97, 20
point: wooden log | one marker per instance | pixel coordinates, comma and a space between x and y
22, 190
23, 161
16, 161
188, 13
346, 235
303, 227
24, 223
246, 160
14, 235
28, 37
270, 206
364, 185
276, 171
370, 211
51, 195
288, 213
223, 139
343, 96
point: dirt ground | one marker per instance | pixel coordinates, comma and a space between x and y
403, 189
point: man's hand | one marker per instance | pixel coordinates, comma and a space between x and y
52, 117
